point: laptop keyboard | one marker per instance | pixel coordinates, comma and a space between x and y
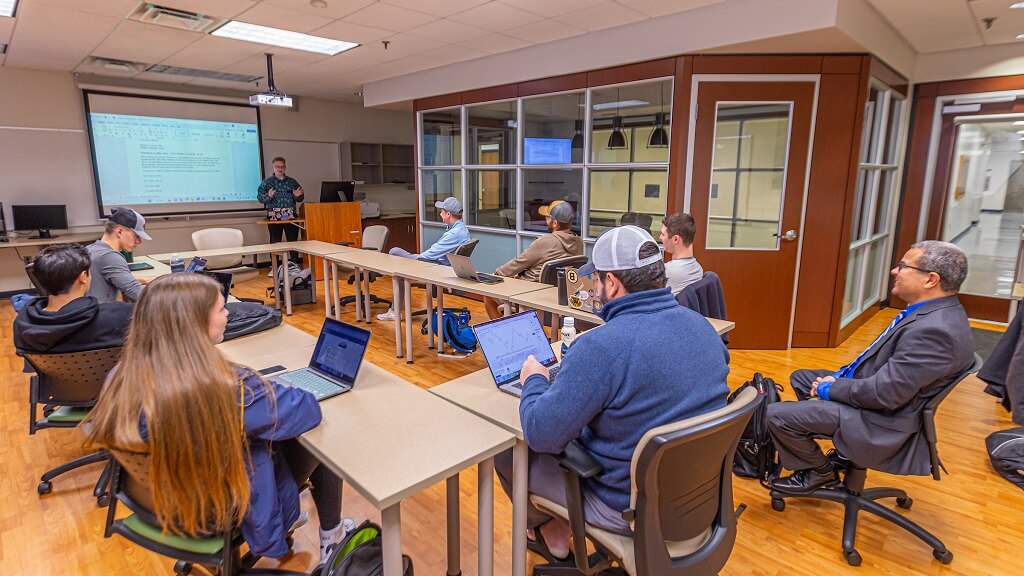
311, 382
488, 278
552, 372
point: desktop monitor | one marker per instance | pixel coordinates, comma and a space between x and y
40, 217
3, 222
332, 191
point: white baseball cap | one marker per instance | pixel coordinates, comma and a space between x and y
619, 249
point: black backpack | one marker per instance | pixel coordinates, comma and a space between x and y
756, 456
359, 554
1006, 450
249, 318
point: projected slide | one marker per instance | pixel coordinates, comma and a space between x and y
151, 160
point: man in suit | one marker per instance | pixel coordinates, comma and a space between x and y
872, 406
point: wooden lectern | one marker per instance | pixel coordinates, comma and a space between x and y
333, 222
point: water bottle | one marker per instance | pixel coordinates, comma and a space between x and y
568, 334
177, 264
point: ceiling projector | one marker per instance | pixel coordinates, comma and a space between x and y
271, 97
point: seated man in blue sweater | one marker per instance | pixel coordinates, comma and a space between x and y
454, 235
653, 362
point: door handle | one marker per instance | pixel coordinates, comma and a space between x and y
790, 235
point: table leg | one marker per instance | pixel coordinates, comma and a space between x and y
358, 284
485, 518
398, 318
407, 286
556, 320
287, 287
366, 293
440, 317
312, 278
273, 273
327, 288
454, 547
391, 523
337, 296
430, 316
520, 477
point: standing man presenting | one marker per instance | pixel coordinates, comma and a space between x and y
124, 231
281, 194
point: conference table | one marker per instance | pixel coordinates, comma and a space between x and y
390, 440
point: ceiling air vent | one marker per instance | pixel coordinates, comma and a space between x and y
196, 73
174, 18
116, 65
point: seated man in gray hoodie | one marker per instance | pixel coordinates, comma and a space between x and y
124, 231
68, 320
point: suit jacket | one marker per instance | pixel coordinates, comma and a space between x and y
1004, 370
926, 352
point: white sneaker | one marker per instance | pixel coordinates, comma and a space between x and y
299, 522
388, 316
271, 273
333, 536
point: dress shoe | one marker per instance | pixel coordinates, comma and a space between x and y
805, 481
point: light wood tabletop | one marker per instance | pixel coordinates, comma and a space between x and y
281, 338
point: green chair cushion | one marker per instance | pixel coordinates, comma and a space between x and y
208, 546
67, 414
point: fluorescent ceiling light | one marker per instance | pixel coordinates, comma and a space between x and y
985, 99
1019, 123
1020, 36
7, 7
622, 104
1017, 5
284, 38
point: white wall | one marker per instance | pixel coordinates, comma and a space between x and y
960, 214
32, 100
984, 62
1005, 153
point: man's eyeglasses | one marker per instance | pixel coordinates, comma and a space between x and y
903, 265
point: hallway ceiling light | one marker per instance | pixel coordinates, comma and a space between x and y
659, 136
7, 8
283, 38
1020, 36
622, 104
616, 140
1019, 123
1017, 5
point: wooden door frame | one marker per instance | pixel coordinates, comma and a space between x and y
691, 135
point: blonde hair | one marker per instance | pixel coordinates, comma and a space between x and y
172, 375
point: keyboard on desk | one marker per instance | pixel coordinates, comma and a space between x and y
313, 383
489, 278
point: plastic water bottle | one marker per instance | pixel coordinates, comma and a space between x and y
568, 334
177, 264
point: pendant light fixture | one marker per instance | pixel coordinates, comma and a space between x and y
577, 137
617, 140
659, 136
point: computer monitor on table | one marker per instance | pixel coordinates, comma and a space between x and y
339, 191
41, 217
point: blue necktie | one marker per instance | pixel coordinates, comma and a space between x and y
848, 370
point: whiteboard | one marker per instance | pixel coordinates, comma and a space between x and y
48, 166
308, 162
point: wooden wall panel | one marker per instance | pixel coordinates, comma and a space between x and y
976, 85
555, 84
493, 93
890, 77
758, 64
442, 101
680, 134
842, 64
632, 72
985, 308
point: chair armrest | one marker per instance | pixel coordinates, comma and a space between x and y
577, 463
576, 459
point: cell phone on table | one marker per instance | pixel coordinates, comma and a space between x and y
197, 264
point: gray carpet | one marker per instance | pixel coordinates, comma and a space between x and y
985, 341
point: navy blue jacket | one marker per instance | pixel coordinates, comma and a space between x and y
652, 363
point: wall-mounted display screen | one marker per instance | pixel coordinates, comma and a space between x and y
547, 150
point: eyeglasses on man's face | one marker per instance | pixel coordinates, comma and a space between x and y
903, 265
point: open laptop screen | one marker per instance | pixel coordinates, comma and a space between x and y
340, 349
506, 343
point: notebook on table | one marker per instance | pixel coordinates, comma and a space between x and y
335, 363
507, 342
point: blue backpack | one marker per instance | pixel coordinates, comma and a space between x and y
454, 329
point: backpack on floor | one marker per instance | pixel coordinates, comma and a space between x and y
1006, 450
360, 554
756, 456
454, 329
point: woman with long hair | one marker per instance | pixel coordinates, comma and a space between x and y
219, 437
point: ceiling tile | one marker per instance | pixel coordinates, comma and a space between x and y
39, 25
544, 31
399, 67
115, 8
932, 25
556, 8
21, 59
496, 17
437, 7
335, 8
342, 30
654, 8
1008, 24
453, 53
495, 43
213, 53
140, 42
403, 45
389, 17
447, 31
284, 18
284, 59
220, 8
607, 15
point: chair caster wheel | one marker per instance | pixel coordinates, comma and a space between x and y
852, 557
944, 556
905, 503
778, 504
103, 500
44, 487
181, 568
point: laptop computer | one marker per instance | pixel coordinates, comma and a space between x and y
225, 279
507, 342
463, 267
335, 363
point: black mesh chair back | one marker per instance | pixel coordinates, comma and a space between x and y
133, 484
72, 379
928, 417
549, 272
467, 247
30, 272
636, 219
684, 518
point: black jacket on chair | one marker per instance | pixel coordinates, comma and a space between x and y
82, 324
1004, 369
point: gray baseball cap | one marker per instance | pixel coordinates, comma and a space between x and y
619, 249
450, 204
559, 210
130, 219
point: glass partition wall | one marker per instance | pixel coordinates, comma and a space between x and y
605, 150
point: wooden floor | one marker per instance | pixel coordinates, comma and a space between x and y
976, 513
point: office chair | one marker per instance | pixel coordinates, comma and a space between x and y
30, 272
549, 271
637, 219
219, 552
374, 238
464, 249
681, 507
67, 386
705, 297
213, 238
854, 497
509, 217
